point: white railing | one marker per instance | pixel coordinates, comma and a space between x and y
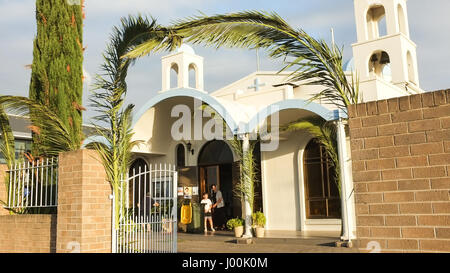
33, 184
148, 211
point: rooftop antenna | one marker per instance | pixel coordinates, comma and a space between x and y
332, 38
257, 59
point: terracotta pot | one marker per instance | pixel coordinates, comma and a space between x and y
259, 232
238, 231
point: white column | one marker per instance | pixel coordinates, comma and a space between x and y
346, 184
247, 206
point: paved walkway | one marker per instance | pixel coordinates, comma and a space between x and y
275, 242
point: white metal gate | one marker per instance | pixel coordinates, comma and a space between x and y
147, 211
33, 185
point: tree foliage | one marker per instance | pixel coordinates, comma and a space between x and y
57, 69
56, 136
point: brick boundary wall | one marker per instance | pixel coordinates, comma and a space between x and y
84, 207
3, 193
24, 233
83, 222
28, 234
401, 172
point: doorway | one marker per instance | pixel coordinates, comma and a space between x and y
215, 163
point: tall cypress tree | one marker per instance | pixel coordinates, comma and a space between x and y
57, 69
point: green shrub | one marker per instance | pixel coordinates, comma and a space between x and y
259, 219
235, 222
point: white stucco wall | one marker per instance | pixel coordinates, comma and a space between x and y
281, 170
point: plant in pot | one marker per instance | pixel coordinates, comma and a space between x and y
237, 225
259, 221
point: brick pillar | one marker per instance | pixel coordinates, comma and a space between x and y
3, 193
84, 207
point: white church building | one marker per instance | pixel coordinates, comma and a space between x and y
296, 190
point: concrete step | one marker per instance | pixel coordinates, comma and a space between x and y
221, 236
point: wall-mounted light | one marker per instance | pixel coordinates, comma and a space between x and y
189, 147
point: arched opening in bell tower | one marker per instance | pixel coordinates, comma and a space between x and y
402, 24
376, 22
174, 70
193, 76
380, 65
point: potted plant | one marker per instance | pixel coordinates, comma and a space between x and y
238, 226
259, 221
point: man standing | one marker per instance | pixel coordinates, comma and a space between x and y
219, 208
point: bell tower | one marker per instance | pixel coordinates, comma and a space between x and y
180, 65
385, 57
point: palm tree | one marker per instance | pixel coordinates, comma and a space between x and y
313, 61
114, 119
246, 185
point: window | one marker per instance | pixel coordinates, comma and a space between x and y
181, 156
193, 76
321, 190
138, 186
22, 147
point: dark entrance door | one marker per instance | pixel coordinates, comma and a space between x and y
209, 176
216, 168
321, 191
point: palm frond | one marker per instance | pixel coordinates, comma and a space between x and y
7, 146
313, 61
7, 143
55, 136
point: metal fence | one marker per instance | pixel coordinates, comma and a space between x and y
148, 211
33, 184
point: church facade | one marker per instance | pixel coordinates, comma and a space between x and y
295, 186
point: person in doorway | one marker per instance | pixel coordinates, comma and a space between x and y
208, 214
219, 209
212, 196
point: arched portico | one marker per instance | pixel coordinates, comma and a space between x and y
310, 108
230, 118
161, 147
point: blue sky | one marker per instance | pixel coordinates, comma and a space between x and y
429, 26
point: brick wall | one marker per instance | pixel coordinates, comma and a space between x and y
28, 234
401, 171
84, 207
25, 233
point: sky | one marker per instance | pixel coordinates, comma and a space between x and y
428, 20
